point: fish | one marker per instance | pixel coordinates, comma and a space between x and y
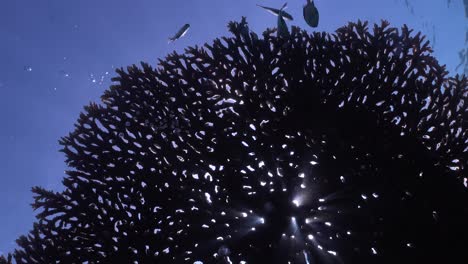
275, 12
282, 27
180, 33
311, 14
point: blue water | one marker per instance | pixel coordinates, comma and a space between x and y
56, 56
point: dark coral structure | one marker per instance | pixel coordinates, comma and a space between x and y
326, 148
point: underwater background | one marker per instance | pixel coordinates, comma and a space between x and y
57, 56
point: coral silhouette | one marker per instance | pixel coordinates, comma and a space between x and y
316, 148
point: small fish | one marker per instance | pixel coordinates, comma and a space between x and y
275, 12
180, 33
311, 14
282, 27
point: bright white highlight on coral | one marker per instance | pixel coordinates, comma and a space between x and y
296, 202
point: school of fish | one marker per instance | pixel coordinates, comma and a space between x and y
310, 13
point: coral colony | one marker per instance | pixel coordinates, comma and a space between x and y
348, 147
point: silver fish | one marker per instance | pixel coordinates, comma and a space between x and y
275, 12
180, 33
282, 27
311, 14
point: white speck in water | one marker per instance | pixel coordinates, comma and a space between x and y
332, 252
328, 224
28, 68
91, 78
244, 214
64, 74
310, 237
374, 251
